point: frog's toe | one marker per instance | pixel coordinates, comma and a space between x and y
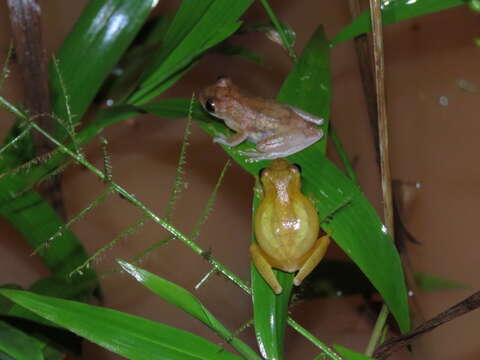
221, 139
254, 155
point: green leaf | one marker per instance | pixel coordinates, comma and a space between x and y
127, 335
126, 74
100, 36
427, 282
64, 288
349, 354
394, 11
198, 25
19, 345
228, 49
310, 75
185, 300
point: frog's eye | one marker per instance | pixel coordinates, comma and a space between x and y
262, 172
298, 167
210, 105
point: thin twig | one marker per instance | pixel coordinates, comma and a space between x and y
465, 306
366, 73
25, 20
376, 14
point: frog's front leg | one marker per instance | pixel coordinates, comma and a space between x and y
233, 140
265, 268
284, 144
316, 254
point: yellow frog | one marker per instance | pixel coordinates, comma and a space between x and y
278, 130
286, 227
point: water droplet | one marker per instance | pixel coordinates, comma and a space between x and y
443, 100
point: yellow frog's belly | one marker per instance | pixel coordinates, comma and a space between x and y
287, 239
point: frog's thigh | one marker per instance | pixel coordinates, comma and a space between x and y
290, 142
265, 268
306, 116
316, 255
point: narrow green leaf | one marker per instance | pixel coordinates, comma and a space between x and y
19, 345
394, 11
102, 33
185, 300
127, 335
197, 26
270, 312
427, 282
57, 287
349, 354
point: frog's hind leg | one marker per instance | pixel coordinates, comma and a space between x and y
284, 144
306, 116
316, 255
265, 268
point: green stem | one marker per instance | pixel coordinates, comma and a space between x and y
14, 110
147, 211
377, 331
329, 352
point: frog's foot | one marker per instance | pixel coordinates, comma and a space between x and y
254, 155
264, 268
233, 140
316, 255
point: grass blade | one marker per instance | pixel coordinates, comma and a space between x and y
127, 335
185, 300
103, 32
197, 26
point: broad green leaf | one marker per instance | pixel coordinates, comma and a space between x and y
101, 35
349, 354
394, 11
427, 282
19, 345
310, 75
198, 25
185, 300
125, 76
127, 335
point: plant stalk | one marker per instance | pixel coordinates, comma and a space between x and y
386, 179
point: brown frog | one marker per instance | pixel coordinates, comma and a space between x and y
278, 130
